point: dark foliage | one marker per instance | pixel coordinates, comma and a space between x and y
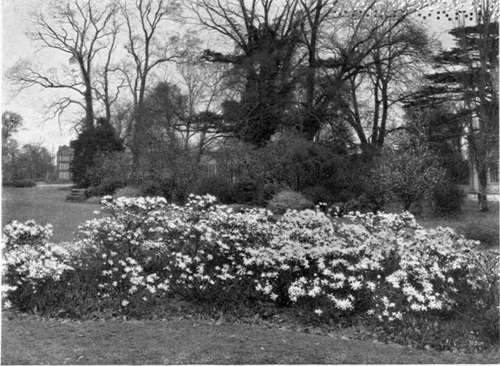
447, 198
217, 186
20, 183
89, 143
318, 194
246, 191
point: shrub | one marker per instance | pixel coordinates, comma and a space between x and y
21, 183
269, 190
361, 204
99, 191
245, 191
216, 186
287, 199
291, 162
90, 143
409, 174
295, 162
29, 233
382, 267
174, 184
447, 198
164, 187
318, 194
110, 171
127, 191
94, 200
32, 267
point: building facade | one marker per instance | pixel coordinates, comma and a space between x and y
64, 158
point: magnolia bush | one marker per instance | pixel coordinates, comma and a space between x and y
142, 250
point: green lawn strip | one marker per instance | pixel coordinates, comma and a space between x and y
33, 341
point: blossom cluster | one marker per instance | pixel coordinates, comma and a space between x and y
29, 260
28, 233
384, 265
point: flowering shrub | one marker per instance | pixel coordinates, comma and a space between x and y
143, 250
28, 233
31, 264
146, 249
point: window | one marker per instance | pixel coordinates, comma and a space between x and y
63, 166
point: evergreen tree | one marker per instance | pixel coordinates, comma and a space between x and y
468, 81
90, 142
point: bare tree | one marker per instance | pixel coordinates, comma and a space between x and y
143, 22
374, 46
109, 83
388, 73
204, 84
80, 29
316, 13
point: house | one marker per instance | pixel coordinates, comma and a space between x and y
63, 161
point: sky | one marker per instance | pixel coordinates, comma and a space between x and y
32, 103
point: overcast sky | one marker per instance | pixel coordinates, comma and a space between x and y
31, 104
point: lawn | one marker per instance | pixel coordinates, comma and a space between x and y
46, 204
27, 340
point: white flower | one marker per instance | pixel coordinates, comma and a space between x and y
125, 302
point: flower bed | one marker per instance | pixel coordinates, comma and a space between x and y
382, 267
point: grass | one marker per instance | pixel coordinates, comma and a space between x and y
472, 223
46, 204
28, 340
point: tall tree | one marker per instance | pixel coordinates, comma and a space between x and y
88, 145
205, 89
316, 14
389, 72
34, 162
265, 36
107, 80
365, 61
80, 29
148, 48
468, 77
11, 122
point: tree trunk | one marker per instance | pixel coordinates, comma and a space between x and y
89, 109
483, 186
135, 143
